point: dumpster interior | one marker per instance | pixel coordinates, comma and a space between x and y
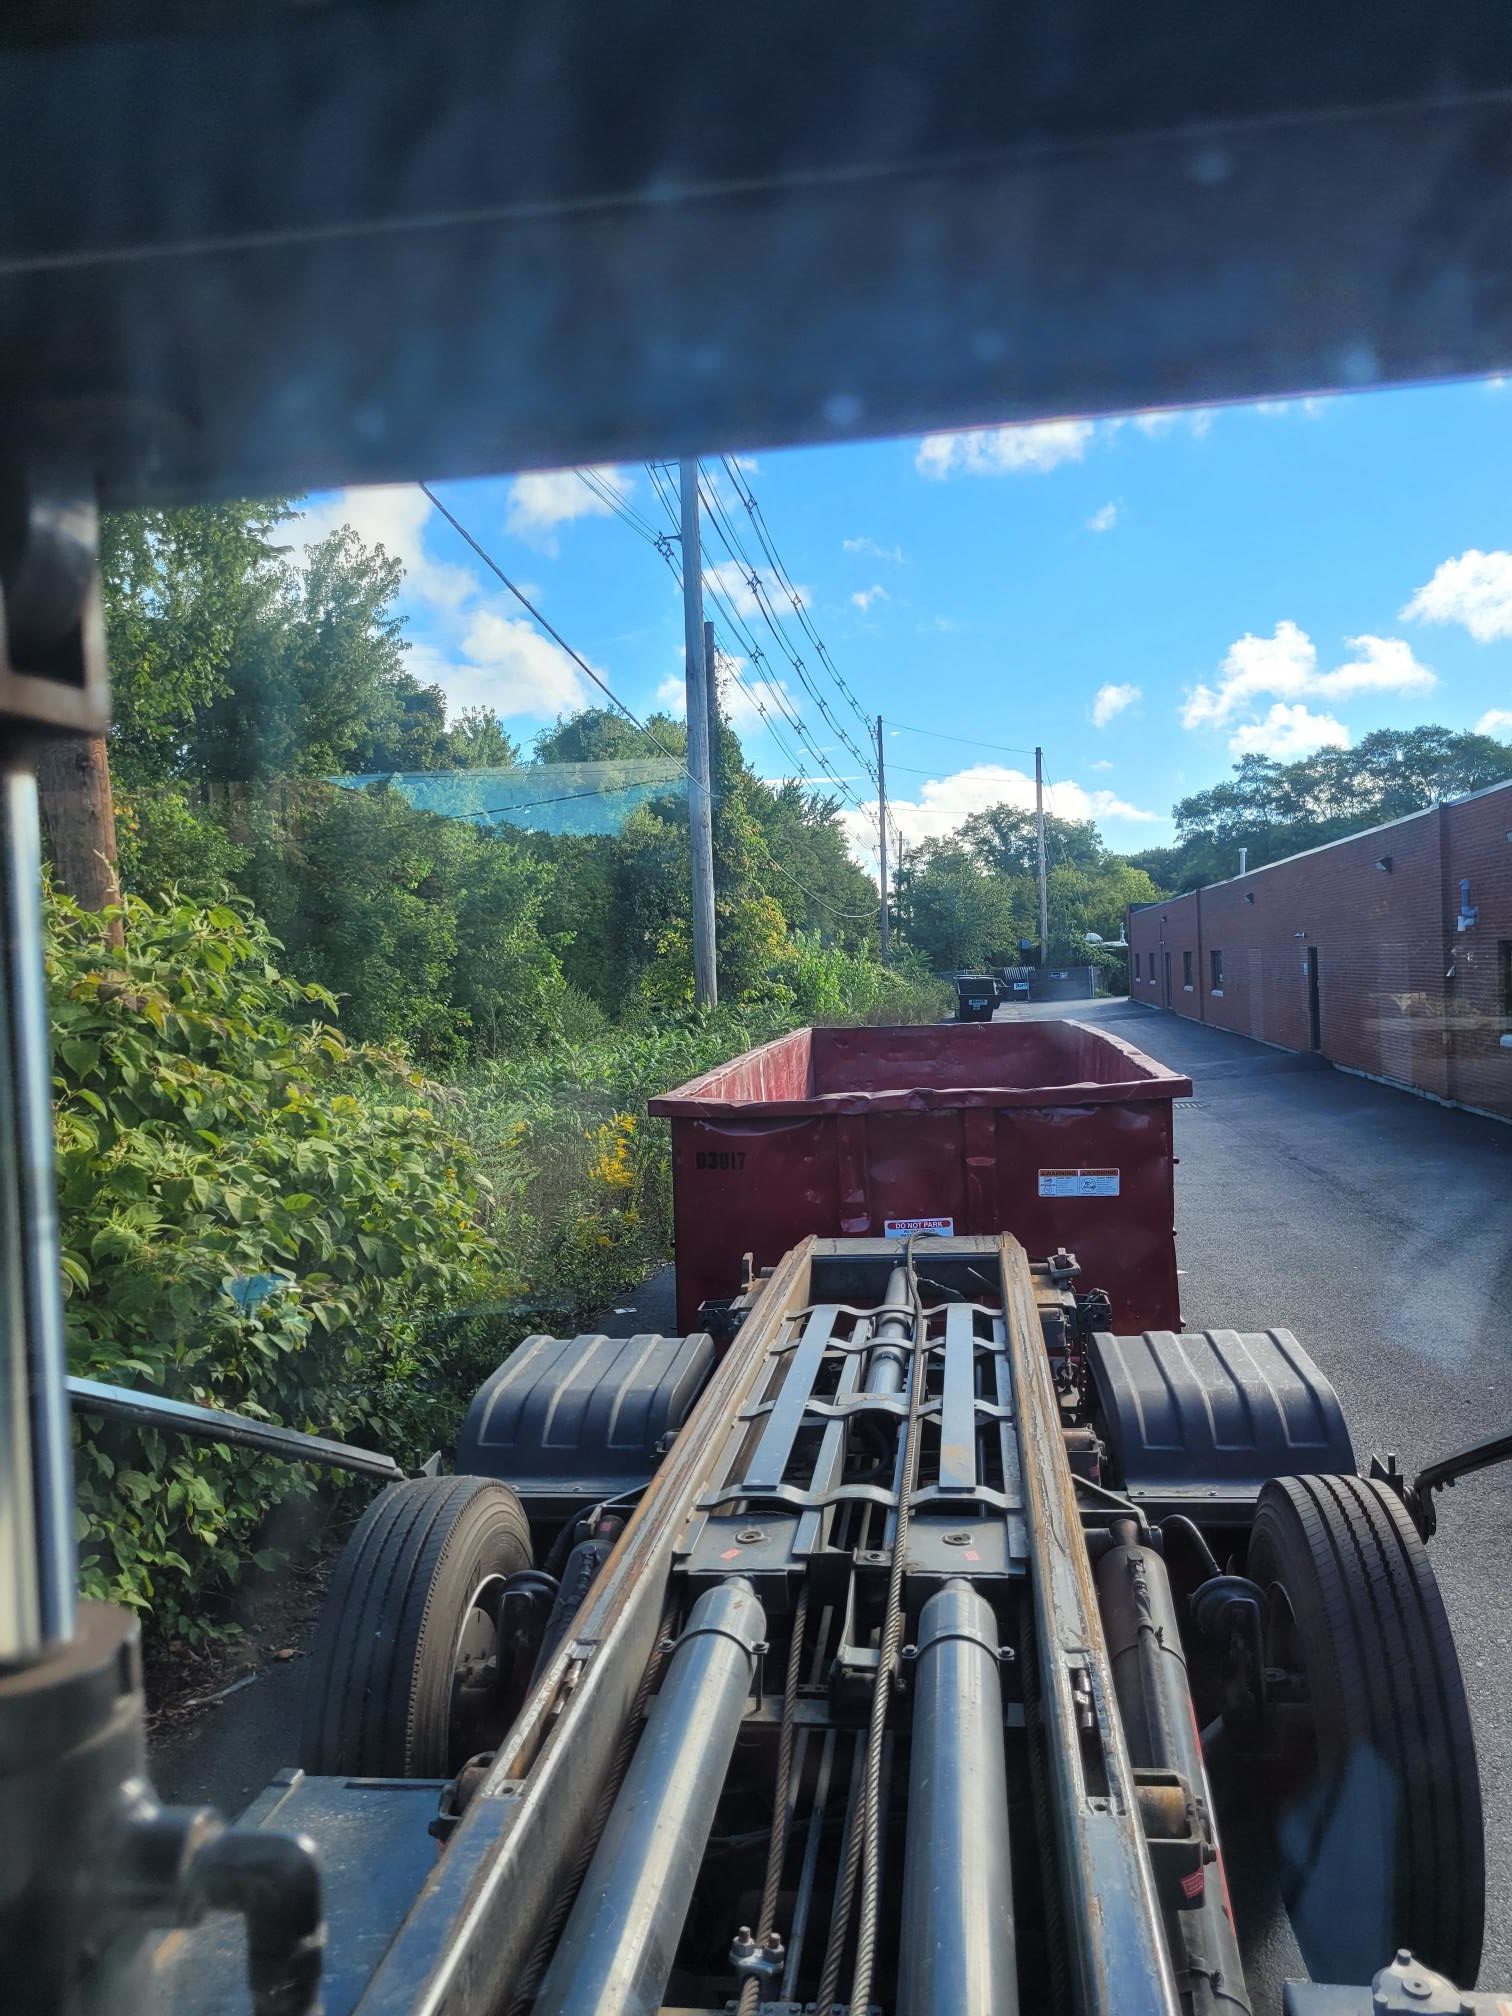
814, 1065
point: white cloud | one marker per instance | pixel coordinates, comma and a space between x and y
741, 701
545, 498
734, 583
944, 803
1102, 763
1475, 590
864, 597
1103, 519
1110, 701
997, 451
476, 648
1280, 409
503, 663
394, 516
1496, 721
869, 549
1285, 665
1288, 732
1161, 420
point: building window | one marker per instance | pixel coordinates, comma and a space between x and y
1504, 962
1186, 971
1136, 965
1215, 963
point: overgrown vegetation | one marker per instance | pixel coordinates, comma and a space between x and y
256, 1214
259, 1214
361, 1099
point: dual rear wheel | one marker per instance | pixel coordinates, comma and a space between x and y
426, 1638
1379, 1837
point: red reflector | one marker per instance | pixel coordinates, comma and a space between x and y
1193, 1885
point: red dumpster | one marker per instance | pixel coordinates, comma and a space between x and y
1055, 1131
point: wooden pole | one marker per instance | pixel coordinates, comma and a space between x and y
78, 814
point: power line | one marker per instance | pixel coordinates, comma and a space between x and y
738, 553
715, 588
970, 741
746, 492
494, 568
616, 502
741, 561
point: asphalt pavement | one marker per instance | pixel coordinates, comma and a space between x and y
1377, 1226
1374, 1224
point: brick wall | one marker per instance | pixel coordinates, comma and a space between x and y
1371, 923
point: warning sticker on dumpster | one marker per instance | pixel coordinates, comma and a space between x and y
935, 1228
1078, 1182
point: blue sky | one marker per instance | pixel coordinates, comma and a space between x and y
1146, 598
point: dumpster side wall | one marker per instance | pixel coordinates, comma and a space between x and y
747, 1184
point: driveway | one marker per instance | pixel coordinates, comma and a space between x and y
1378, 1227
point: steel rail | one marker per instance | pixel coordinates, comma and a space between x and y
469, 1935
1114, 1932
211, 1424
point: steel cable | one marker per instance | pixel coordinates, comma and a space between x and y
845, 1894
864, 1848
750, 1993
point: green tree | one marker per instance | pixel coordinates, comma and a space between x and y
184, 593
1272, 809
478, 740
316, 676
962, 916
425, 928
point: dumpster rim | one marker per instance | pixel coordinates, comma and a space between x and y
690, 1101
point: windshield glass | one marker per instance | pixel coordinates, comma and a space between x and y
400, 886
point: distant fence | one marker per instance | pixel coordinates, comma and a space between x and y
582, 799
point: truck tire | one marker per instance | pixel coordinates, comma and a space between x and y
1380, 1840
410, 1611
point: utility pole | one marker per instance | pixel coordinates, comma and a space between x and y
78, 817
711, 675
1039, 847
882, 835
696, 680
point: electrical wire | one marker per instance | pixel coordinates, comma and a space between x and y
970, 741
715, 589
813, 894
660, 483
735, 546
745, 490
647, 532
557, 638
741, 561
617, 502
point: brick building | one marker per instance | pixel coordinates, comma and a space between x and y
1388, 953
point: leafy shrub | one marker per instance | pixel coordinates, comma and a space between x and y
256, 1215
426, 929
165, 844
828, 985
